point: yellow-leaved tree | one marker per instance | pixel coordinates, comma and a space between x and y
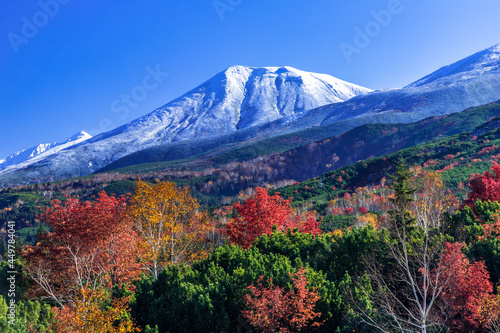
89, 313
430, 200
171, 226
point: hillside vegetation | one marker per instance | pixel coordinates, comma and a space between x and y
158, 262
212, 183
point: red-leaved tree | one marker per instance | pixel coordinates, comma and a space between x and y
90, 245
484, 187
467, 290
260, 213
271, 309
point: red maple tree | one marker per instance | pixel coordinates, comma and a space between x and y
484, 187
91, 244
363, 210
260, 213
467, 289
271, 309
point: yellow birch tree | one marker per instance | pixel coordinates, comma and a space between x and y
170, 224
430, 200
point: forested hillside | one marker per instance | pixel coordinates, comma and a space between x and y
158, 262
456, 156
362, 248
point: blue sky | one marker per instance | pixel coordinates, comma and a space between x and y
66, 65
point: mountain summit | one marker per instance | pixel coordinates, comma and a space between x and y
234, 100
482, 62
246, 104
262, 95
469, 82
238, 98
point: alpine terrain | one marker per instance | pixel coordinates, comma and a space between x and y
247, 104
31, 155
234, 100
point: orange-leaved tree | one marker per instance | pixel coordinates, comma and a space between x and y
90, 245
430, 200
90, 313
271, 309
260, 213
172, 229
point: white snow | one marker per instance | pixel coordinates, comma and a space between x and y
243, 97
470, 82
31, 155
235, 99
477, 64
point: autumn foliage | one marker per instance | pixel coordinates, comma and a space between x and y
260, 213
430, 200
89, 313
91, 245
467, 290
171, 228
271, 309
389, 266
485, 187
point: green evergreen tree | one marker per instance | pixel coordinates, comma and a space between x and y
403, 196
3, 249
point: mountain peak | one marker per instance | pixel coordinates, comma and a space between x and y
82, 135
238, 99
33, 154
265, 94
244, 104
245, 71
239, 68
479, 63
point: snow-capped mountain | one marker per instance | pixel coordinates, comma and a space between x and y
234, 100
34, 154
470, 82
244, 104
479, 63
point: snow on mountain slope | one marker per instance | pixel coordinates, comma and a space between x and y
470, 82
25, 154
247, 103
236, 99
34, 154
477, 64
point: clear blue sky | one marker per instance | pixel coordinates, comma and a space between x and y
64, 75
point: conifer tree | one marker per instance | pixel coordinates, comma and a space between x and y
403, 196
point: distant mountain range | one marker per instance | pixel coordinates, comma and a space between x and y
472, 81
37, 153
245, 104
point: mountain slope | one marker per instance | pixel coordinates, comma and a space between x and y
313, 159
238, 99
470, 82
245, 104
455, 158
212, 180
477, 64
31, 155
